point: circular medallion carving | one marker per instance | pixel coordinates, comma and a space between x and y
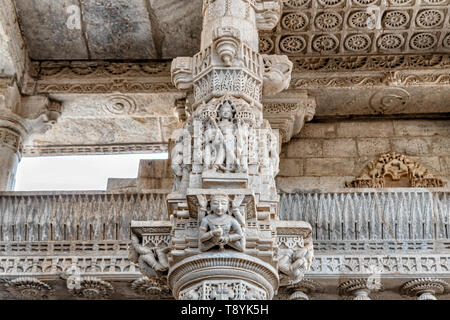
331, 3
359, 19
325, 43
401, 2
296, 3
150, 287
358, 42
120, 105
328, 20
92, 288
391, 101
423, 41
29, 289
292, 44
265, 45
364, 2
390, 41
294, 21
446, 42
396, 19
429, 18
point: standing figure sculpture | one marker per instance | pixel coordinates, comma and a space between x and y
226, 142
211, 142
219, 228
177, 157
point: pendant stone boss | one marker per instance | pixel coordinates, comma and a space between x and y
224, 239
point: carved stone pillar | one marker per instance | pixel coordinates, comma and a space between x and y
10, 153
224, 239
20, 117
425, 288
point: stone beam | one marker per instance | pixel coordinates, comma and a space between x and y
14, 60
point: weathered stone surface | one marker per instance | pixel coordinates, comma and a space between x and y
44, 25
176, 27
421, 127
339, 148
373, 146
365, 129
304, 148
118, 29
291, 167
329, 166
413, 146
318, 130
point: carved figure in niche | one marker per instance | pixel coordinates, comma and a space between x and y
211, 141
219, 227
273, 153
226, 139
242, 134
295, 263
177, 157
151, 261
180, 164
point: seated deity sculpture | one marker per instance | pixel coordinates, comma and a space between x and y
219, 228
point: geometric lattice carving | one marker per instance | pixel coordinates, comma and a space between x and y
395, 166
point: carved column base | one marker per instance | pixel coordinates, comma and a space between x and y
223, 276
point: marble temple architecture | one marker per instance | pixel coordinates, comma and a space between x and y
308, 142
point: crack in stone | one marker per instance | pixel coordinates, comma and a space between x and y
156, 31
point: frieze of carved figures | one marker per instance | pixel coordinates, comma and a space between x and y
219, 140
396, 166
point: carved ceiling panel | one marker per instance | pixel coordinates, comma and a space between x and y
155, 29
355, 27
